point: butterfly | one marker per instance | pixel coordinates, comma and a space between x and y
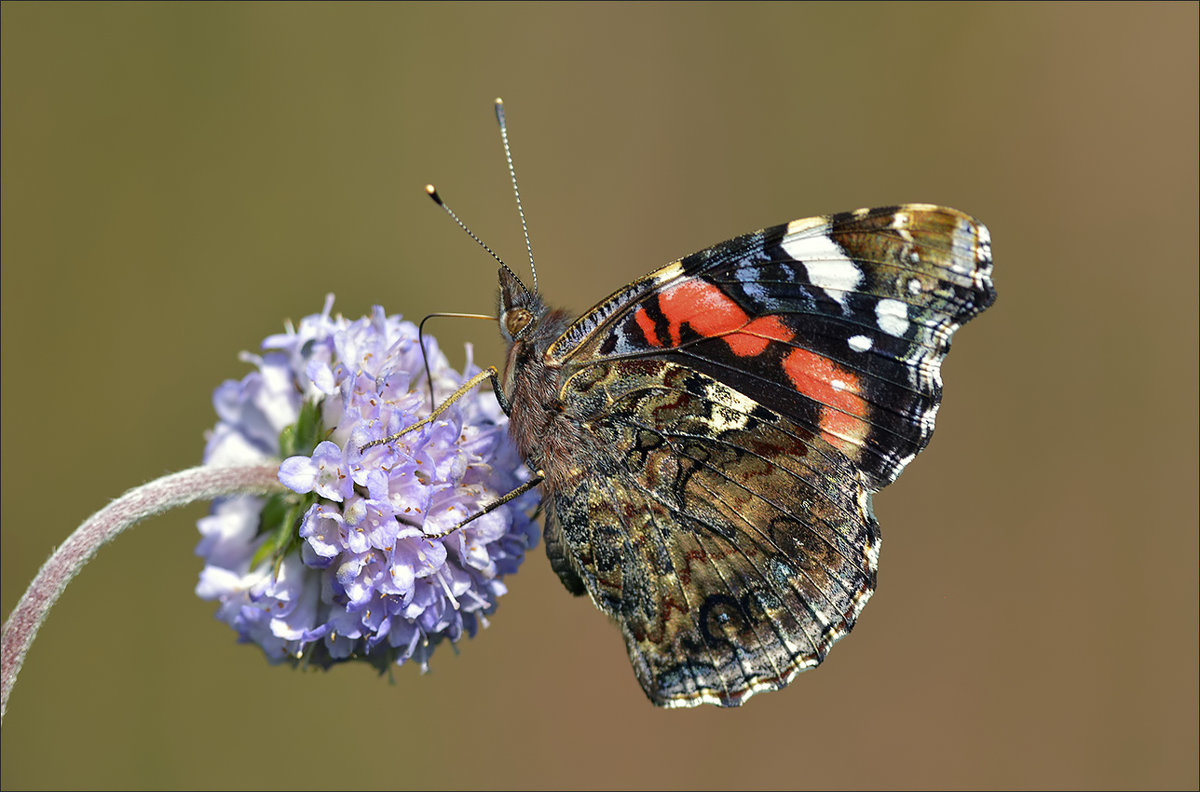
709, 437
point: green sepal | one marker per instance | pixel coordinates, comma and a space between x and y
280, 521
282, 512
300, 438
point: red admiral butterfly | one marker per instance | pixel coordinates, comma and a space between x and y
709, 437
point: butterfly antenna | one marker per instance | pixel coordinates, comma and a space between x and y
513, 174
437, 199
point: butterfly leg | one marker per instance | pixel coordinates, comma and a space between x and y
488, 373
496, 504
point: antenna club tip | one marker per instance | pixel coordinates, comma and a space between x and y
432, 192
499, 102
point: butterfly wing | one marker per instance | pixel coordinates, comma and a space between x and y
739, 407
838, 323
732, 546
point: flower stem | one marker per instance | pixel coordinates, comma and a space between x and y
177, 489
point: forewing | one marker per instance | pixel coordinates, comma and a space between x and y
838, 323
732, 546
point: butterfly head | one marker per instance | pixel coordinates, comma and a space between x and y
520, 309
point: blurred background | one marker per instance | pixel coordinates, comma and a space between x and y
180, 179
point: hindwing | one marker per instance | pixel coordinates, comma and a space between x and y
732, 545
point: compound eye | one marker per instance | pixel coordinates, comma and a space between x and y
516, 320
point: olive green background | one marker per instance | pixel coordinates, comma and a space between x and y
180, 179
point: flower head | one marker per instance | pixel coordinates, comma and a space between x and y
361, 559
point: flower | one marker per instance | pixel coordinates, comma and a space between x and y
361, 558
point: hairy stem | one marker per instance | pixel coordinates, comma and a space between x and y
177, 489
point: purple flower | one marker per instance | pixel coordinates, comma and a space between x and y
361, 559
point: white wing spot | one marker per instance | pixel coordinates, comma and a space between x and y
731, 410
860, 343
985, 236
669, 273
825, 262
892, 316
914, 286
